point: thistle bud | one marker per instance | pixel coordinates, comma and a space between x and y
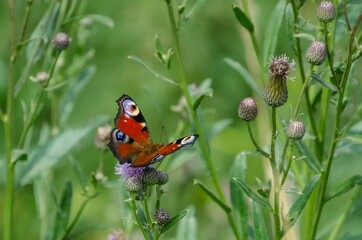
295, 130
149, 176
326, 12
102, 137
133, 184
162, 178
162, 217
316, 53
41, 77
248, 110
276, 91
60, 41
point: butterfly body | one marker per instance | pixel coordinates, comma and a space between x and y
131, 140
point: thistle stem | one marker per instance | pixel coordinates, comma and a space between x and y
330, 59
197, 124
149, 219
289, 164
134, 207
255, 142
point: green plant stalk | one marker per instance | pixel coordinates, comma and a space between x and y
336, 132
8, 129
330, 59
75, 219
256, 49
255, 142
134, 207
323, 120
202, 139
288, 166
30, 121
149, 219
274, 167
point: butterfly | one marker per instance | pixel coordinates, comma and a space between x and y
131, 142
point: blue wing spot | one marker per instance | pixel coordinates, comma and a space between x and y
120, 136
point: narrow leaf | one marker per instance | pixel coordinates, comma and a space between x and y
301, 3
174, 221
258, 220
310, 159
218, 127
245, 75
344, 187
348, 85
272, 31
325, 83
299, 204
143, 64
103, 19
212, 196
63, 213
187, 227
79, 173
18, 155
290, 27
49, 154
243, 19
237, 196
196, 7
144, 222
158, 45
252, 194
306, 36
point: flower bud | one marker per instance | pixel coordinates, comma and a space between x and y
295, 130
102, 137
41, 77
248, 110
326, 12
133, 184
162, 178
149, 176
316, 53
276, 91
162, 217
60, 41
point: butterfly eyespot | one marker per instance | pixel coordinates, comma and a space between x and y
130, 107
120, 136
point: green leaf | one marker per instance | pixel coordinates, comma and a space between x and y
344, 187
187, 227
193, 10
289, 18
237, 196
258, 220
68, 101
174, 221
356, 139
46, 156
299, 204
245, 75
143, 64
18, 155
79, 173
301, 3
243, 19
144, 222
212, 196
103, 19
272, 31
348, 85
291, 191
310, 159
218, 127
158, 45
205, 91
252, 194
63, 210
325, 83
306, 36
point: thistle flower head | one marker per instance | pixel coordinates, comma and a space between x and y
60, 41
126, 171
162, 217
326, 12
316, 53
248, 110
295, 130
133, 184
276, 91
162, 178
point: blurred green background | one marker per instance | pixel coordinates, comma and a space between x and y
211, 35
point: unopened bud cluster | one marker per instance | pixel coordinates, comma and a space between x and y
162, 217
295, 130
316, 53
326, 12
276, 91
60, 41
248, 110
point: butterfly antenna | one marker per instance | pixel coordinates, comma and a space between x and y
162, 128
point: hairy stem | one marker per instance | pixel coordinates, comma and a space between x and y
330, 59
255, 143
134, 207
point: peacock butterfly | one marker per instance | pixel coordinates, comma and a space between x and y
131, 142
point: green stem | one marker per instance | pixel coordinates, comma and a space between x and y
255, 143
134, 207
75, 219
274, 166
289, 164
31, 119
149, 219
8, 129
199, 130
330, 60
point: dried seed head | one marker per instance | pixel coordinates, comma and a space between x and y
149, 176
326, 12
133, 184
162, 217
60, 41
162, 178
248, 110
295, 130
316, 53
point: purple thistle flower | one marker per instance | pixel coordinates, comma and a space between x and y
126, 171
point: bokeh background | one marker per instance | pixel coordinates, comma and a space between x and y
211, 35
